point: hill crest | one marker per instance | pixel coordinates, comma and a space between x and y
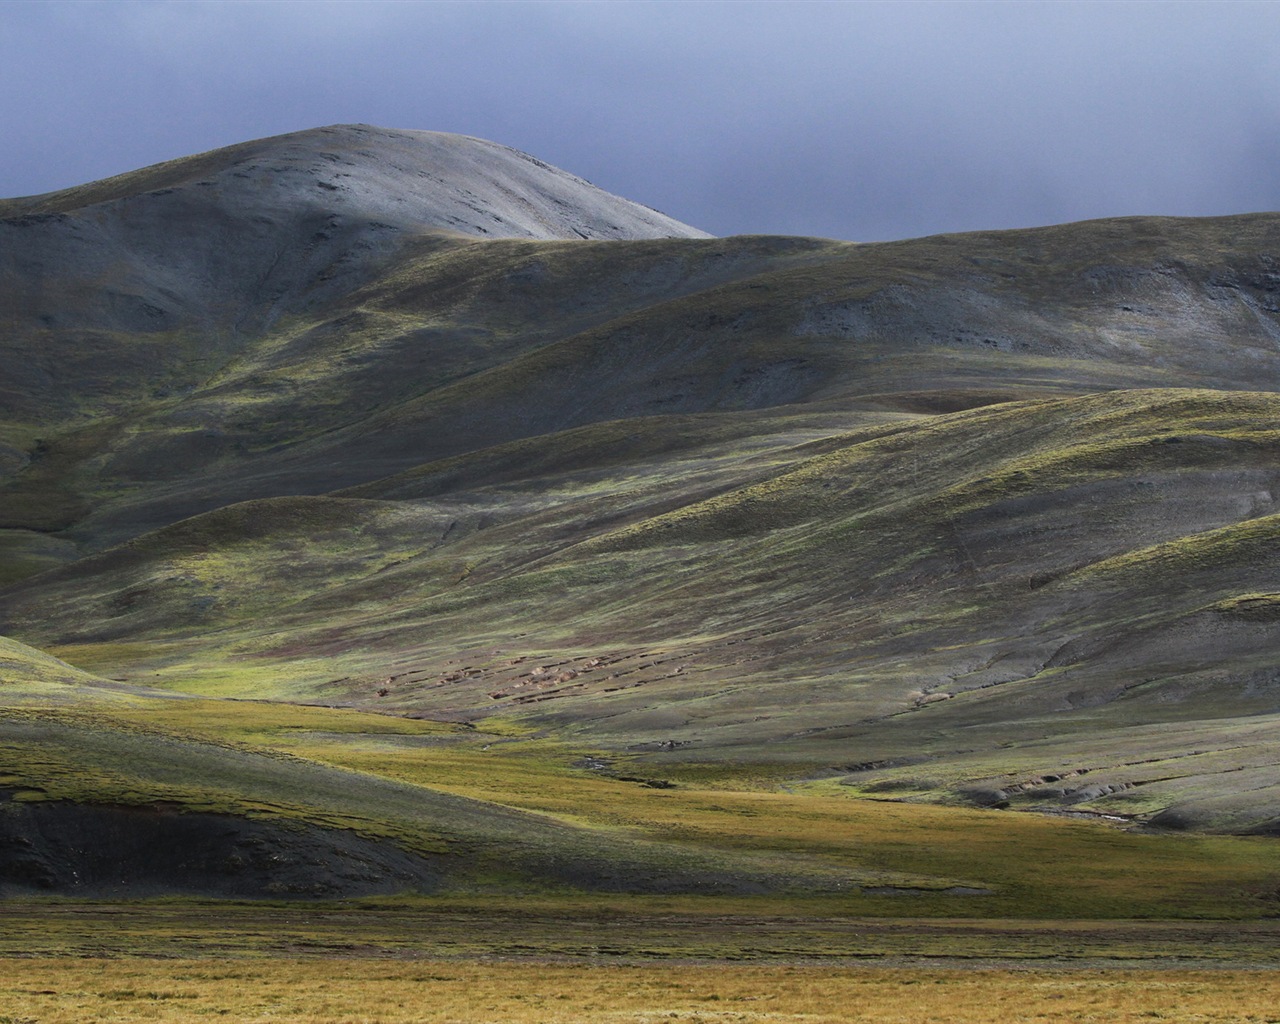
409, 180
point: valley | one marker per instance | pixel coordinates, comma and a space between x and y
413, 556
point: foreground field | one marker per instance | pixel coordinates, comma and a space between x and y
501, 812
620, 960
615, 930
39, 991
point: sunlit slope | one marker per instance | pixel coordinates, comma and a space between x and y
206, 797
411, 179
189, 795
30, 678
1002, 593
238, 798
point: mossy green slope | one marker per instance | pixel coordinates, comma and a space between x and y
927, 590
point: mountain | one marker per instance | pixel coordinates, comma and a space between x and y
416, 425
165, 272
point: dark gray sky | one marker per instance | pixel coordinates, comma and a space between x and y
850, 120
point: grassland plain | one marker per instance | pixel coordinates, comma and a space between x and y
388, 992
448, 599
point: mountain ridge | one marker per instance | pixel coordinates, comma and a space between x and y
982, 519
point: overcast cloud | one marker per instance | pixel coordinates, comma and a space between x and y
849, 120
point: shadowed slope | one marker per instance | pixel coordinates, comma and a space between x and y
459, 346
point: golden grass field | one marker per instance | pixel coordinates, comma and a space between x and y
1082, 920
356, 991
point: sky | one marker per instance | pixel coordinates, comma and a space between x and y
855, 120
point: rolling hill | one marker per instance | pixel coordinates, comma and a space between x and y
415, 432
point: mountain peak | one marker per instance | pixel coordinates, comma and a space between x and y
415, 180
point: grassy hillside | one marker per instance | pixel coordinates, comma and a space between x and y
494, 809
445, 347
956, 601
553, 563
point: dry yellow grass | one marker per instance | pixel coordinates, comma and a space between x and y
39, 991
